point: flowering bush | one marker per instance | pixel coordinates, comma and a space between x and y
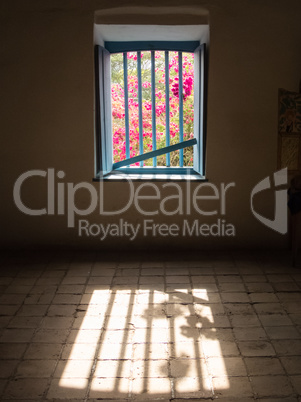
118, 110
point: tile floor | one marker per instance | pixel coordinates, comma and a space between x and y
85, 327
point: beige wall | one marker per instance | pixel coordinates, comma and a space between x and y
46, 69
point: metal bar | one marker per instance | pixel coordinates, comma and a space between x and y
167, 105
126, 106
140, 105
153, 79
181, 105
158, 152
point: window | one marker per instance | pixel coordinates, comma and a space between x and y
150, 107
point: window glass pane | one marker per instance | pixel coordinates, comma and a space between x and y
118, 108
188, 100
118, 121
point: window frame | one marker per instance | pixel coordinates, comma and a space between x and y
104, 165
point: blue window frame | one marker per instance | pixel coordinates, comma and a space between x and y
103, 125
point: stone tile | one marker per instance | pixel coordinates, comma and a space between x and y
45, 335
5, 280
203, 297
70, 289
274, 320
17, 335
57, 322
197, 279
287, 347
89, 322
24, 322
33, 310
79, 351
3, 383
152, 264
239, 308
292, 306
177, 272
35, 369
217, 321
25, 388
113, 369
217, 348
67, 388
292, 364
238, 387
200, 270
254, 278
7, 367
220, 334
205, 287
177, 309
186, 350
286, 287
109, 388
73, 369
177, 279
150, 368
232, 287
264, 298
283, 332
192, 387
54, 273
296, 380
279, 278
43, 351
66, 299
150, 351
152, 271
110, 351
209, 309
179, 297
271, 386
74, 280
250, 334
4, 320
48, 281
84, 336
120, 280
129, 264
269, 308
239, 320
96, 281
226, 366
259, 287
12, 299
226, 270
144, 280
183, 333
18, 289
12, 350
117, 336
256, 348
251, 271
263, 366
234, 297
228, 279
62, 310
138, 321
127, 272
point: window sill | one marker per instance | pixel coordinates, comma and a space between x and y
169, 177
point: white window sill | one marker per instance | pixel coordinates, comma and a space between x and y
117, 176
